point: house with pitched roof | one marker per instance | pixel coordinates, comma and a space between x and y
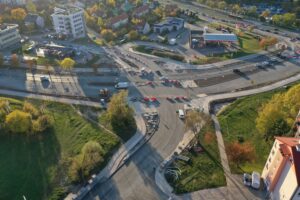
118, 21
140, 11
281, 173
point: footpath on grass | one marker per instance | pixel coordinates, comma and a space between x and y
126, 150
234, 189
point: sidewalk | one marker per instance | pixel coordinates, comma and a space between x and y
120, 157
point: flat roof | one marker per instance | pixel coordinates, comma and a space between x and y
220, 37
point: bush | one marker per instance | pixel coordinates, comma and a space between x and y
41, 124
239, 153
18, 122
168, 55
29, 108
89, 158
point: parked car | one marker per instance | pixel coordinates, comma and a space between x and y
255, 183
236, 71
44, 78
158, 73
247, 179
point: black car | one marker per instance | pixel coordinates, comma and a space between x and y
158, 73
236, 70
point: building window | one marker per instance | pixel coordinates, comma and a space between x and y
267, 166
273, 152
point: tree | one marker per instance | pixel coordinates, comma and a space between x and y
265, 13
15, 60
252, 11
194, 120
89, 158
18, 122
67, 63
237, 9
158, 12
100, 22
239, 153
18, 14
29, 108
108, 34
111, 3
120, 115
222, 5
133, 35
41, 124
30, 6
1, 59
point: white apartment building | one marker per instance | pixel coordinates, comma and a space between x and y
13, 2
70, 21
281, 173
9, 35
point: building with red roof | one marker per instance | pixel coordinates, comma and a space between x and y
140, 11
118, 21
281, 173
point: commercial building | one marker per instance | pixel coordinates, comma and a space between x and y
69, 21
281, 173
9, 35
169, 24
200, 38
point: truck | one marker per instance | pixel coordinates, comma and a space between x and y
122, 85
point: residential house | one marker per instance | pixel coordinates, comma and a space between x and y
118, 21
143, 28
140, 11
169, 24
281, 173
34, 20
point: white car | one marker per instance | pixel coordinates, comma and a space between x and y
44, 78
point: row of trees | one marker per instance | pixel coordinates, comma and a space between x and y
292, 18
277, 117
29, 120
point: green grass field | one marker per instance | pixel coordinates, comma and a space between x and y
206, 170
238, 120
34, 166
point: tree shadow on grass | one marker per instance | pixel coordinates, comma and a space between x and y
28, 165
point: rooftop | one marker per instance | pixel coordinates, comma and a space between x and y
220, 37
141, 9
31, 17
66, 10
171, 21
293, 145
7, 26
118, 18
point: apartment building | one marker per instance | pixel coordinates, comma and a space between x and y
70, 21
9, 35
281, 173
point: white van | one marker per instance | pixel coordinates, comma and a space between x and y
181, 114
255, 180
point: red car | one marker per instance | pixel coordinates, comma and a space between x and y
153, 99
146, 99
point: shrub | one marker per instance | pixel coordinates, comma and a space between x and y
29, 108
18, 122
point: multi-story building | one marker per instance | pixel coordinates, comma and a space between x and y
281, 173
13, 2
169, 24
9, 35
70, 21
